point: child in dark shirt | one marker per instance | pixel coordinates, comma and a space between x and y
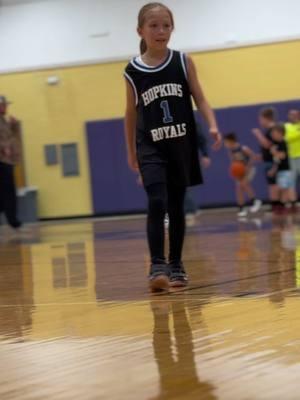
281, 165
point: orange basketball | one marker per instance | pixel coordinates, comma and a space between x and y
238, 170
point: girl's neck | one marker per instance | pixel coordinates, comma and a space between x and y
154, 57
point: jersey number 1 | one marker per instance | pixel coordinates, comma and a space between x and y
164, 105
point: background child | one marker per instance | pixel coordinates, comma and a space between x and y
190, 205
161, 137
267, 119
281, 166
245, 155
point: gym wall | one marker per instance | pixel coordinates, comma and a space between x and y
58, 114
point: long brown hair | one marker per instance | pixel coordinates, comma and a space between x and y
142, 18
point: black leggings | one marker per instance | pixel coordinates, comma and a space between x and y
162, 199
8, 197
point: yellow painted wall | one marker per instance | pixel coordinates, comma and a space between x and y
251, 75
56, 114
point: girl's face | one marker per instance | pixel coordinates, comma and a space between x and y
157, 29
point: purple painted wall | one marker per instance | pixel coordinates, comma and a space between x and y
114, 187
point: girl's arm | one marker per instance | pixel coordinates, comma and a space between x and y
130, 128
202, 104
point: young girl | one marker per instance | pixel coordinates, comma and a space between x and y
161, 137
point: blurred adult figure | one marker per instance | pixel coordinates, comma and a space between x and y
10, 152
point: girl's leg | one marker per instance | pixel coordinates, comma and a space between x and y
176, 195
157, 208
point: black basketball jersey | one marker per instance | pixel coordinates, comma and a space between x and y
166, 130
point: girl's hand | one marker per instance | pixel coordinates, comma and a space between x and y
139, 180
217, 137
206, 162
132, 162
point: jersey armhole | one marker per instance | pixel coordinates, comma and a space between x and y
184, 64
129, 79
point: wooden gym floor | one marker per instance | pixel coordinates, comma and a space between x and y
77, 320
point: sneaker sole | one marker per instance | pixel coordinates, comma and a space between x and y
178, 284
159, 283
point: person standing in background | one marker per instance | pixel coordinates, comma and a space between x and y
10, 152
292, 138
190, 206
267, 120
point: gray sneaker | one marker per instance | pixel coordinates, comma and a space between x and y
159, 277
178, 276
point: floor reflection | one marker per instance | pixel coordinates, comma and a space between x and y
76, 315
16, 292
174, 353
69, 268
